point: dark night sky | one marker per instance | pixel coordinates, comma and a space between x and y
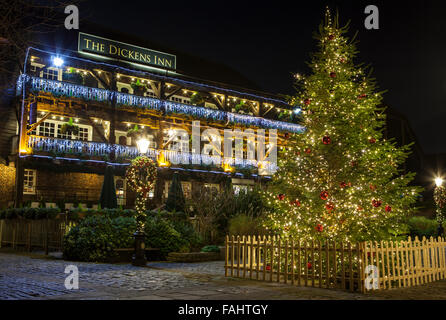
267, 42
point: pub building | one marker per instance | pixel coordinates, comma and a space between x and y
84, 109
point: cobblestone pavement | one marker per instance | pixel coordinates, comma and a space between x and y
29, 277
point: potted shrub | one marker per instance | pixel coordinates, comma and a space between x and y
138, 88
69, 128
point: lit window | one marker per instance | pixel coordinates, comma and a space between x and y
240, 188
29, 181
47, 129
120, 191
50, 73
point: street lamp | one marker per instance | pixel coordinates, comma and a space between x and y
139, 258
142, 145
440, 201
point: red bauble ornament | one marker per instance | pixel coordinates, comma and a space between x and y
268, 267
331, 37
359, 209
342, 60
324, 195
362, 96
308, 150
329, 206
319, 228
296, 203
376, 203
307, 102
309, 265
388, 208
326, 140
372, 187
332, 74
342, 185
353, 163
281, 196
372, 140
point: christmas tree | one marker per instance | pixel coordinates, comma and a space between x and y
340, 179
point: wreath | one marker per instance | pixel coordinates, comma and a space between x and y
141, 175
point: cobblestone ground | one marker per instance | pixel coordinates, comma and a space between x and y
30, 277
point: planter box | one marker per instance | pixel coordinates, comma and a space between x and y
193, 256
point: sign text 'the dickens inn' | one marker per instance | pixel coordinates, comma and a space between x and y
124, 52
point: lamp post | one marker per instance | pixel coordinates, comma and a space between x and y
440, 201
139, 257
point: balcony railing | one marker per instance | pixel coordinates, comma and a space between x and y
65, 148
97, 94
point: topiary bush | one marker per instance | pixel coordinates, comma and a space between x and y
161, 234
95, 238
422, 226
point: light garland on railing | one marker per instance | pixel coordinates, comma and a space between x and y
49, 144
96, 94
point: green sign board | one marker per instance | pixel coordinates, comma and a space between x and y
116, 50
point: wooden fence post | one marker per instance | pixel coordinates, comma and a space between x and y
232, 255
29, 236
226, 255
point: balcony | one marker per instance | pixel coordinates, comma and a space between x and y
100, 152
60, 88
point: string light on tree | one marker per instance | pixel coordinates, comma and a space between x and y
331, 165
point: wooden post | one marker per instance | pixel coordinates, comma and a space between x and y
272, 259
313, 273
327, 264
245, 251
279, 260
259, 240
350, 265
299, 263
335, 265
226, 255
46, 237
292, 263
342, 266
238, 256
320, 262
265, 255
251, 255
29, 237
306, 263
286, 262
232, 255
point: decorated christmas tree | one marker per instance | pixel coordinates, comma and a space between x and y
340, 179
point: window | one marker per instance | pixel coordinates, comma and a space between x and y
47, 129
52, 128
213, 187
120, 191
82, 134
50, 73
29, 181
240, 187
185, 185
150, 94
